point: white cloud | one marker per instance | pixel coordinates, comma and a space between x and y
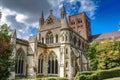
5, 13
72, 1
23, 17
54, 3
88, 6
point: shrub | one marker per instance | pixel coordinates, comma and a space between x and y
104, 74
6, 50
47, 78
92, 77
52, 78
99, 75
83, 75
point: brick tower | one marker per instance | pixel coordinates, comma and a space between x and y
80, 23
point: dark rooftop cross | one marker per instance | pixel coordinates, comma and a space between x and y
51, 12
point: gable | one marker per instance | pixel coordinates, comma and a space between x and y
51, 20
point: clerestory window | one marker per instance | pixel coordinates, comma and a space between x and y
49, 38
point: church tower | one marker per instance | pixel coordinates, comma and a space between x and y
80, 23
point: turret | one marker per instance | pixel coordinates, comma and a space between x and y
65, 33
65, 48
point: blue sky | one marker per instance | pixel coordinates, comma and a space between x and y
107, 17
22, 16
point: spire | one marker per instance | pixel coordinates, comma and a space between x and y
63, 12
42, 15
64, 22
42, 19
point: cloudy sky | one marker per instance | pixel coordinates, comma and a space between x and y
23, 15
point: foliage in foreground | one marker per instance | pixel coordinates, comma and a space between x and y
6, 49
98, 75
48, 78
116, 78
105, 55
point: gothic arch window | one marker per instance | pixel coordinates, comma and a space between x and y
74, 40
72, 22
66, 64
40, 64
79, 20
66, 75
56, 38
66, 51
62, 38
66, 38
42, 40
19, 66
39, 36
83, 45
79, 43
52, 64
49, 38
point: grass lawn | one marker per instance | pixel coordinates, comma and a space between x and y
116, 78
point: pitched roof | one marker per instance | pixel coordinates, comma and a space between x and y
112, 35
22, 41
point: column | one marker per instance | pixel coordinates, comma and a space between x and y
81, 61
62, 62
30, 56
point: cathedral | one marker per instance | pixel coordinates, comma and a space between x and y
58, 50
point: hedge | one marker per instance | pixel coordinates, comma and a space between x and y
98, 75
83, 75
52, 78
47, 78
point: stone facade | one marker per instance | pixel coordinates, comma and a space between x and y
57, 50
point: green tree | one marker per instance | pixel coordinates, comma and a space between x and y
6, 49
92, 55
104, 55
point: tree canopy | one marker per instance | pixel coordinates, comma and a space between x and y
6, 49
104, 55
